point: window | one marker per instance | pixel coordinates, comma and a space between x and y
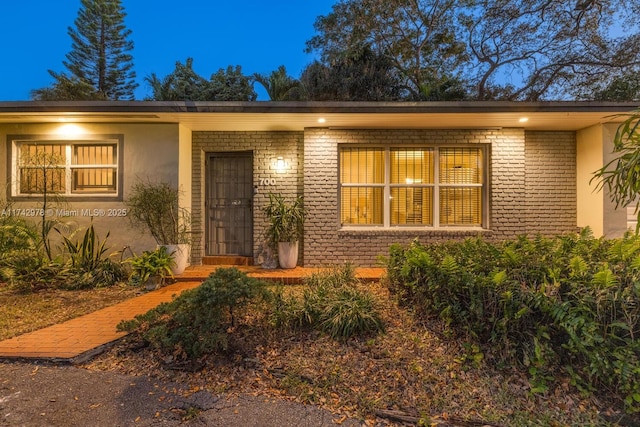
66, 167
435, 186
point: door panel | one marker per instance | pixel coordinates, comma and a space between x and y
229, 204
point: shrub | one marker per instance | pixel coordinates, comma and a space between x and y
156, 207
569, 301
16, 234
18, 251
349, 312
151, 263
331, 302
28, 270
90, 266
199, 321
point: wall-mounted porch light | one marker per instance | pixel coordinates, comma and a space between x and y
69, 129
280, 164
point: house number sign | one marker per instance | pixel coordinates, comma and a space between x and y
267, 181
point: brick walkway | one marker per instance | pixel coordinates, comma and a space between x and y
83, 337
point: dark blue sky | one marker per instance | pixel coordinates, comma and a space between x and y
258, 35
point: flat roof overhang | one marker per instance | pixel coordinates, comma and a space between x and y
296, 116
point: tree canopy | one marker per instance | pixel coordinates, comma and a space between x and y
393, 50
279, 85
360, 75
489, 49
185, 84
99, 63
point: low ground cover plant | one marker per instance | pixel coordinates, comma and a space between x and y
82, 261
567, 303
23, 264
150, 264
333, 303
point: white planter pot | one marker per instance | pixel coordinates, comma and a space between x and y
288, 254
181, 255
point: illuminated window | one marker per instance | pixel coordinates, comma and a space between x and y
66, 167
412, 186
362, 178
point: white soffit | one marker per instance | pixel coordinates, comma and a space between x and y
296, 117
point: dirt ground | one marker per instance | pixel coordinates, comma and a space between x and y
46, 395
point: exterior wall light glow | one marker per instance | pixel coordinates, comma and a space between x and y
69, 129
280, 164
523, 119
322, 120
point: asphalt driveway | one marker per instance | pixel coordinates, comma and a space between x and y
44, 395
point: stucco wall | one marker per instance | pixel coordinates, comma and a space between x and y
589, 158
614, 220
265, 146
150, 152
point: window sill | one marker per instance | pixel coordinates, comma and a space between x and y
415, 231
69, 197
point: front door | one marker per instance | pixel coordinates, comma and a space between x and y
229, 204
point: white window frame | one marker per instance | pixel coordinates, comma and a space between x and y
435, 186
68, 144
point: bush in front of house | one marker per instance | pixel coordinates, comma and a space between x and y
89, 264
570, 302
22, 263
200, 320
81, 263
332, 302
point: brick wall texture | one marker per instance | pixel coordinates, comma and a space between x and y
265, 148
532, 185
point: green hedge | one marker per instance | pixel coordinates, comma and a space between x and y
200, 320
568, 302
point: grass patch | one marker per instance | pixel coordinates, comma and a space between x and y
26, 312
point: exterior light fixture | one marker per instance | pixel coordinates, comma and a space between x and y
280, 164
322, 120
523, 119
70, 130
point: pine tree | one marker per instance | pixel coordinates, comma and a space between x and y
99, 56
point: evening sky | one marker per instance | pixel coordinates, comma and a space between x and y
258, 35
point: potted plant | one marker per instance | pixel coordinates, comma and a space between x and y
155, 206
285, 228
151, 268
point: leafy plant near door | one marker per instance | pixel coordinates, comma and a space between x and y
286, 225
91, 266
156, 207
152, 267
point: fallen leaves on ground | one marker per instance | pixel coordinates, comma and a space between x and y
409, 370
24, 312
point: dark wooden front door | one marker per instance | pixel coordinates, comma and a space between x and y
229, 204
